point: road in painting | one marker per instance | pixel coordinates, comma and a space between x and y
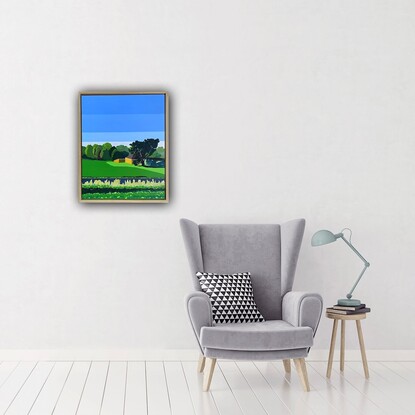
123, 142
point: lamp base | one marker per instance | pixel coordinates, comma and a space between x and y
348, 302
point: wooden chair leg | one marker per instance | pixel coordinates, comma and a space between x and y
332, 346
342, 344
287, 365
302, 373
201, 363
207, 376
362, 348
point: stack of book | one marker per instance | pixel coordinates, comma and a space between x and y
343, 309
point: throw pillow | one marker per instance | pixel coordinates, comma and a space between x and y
231, 296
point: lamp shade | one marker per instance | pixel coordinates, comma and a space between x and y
323, 237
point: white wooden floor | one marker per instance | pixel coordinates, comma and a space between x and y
158, 388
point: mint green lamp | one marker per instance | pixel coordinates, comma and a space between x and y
325, 237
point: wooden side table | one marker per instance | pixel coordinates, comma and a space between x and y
344, 318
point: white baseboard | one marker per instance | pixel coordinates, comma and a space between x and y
182, 354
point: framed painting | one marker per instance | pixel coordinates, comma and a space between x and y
123, 147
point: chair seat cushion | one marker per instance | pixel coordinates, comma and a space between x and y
267, 335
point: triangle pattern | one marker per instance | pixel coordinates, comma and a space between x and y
231, 296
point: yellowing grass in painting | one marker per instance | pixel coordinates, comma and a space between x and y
115, 184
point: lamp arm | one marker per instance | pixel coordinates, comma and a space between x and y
355, 251
367, 265
349, 295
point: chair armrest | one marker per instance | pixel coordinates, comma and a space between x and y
302, 309
199, 310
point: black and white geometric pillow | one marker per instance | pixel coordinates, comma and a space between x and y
231, 296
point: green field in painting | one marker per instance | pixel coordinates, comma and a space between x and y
136, 195
97, 168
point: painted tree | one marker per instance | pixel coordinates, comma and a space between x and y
105, 153
142, 149
89, 151
159, 153
119, 152
122, 147
96, 149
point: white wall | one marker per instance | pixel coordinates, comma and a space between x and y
279, 109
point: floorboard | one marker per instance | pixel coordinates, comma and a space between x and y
93, 393
6, 369
203, 402
114, 394
291, 398
351, 394
30, 390
324, 387
223, 395
241, 389
157, 393
374, 389
398, 388
180, 399
49, 395
313, 399
265, 394
71, 394
14, 383
238, 388
135, 390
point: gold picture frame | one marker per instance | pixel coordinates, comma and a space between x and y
101, 177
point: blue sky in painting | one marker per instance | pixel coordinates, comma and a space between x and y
122, 118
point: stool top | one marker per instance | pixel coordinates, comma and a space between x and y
360, 316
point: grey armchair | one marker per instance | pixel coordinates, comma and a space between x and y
269, 253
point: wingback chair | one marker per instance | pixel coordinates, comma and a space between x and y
269, 253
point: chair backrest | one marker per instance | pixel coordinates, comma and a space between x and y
268, 252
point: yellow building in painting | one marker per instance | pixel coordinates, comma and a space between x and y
128, 160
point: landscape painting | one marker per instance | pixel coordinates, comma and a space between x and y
124, 147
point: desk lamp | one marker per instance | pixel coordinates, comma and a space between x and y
325, 237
